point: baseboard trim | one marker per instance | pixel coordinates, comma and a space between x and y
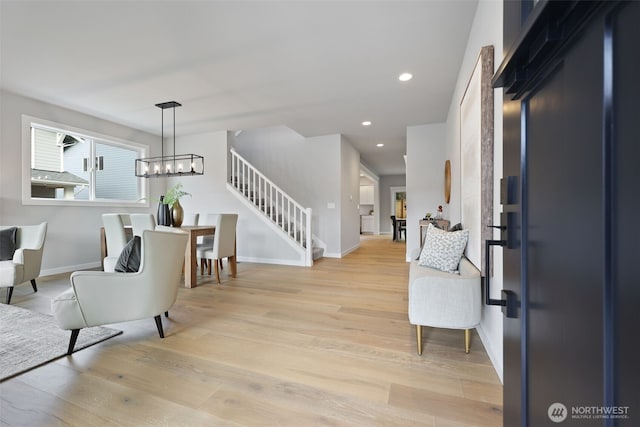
348, 251
331, 255
489, 349
69, 268
292, 262
340, 254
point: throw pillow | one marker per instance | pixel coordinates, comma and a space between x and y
7, 243
129, 259
443, 249
456, 227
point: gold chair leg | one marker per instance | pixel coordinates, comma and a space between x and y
467, 340
419, 338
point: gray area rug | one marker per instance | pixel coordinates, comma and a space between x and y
29, 339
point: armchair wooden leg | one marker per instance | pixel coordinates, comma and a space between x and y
33, 284
217, 270
72, 341
158, 320
9, 293
467, 340
419, 338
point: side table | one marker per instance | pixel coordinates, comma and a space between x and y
424, 223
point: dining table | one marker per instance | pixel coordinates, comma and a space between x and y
190, 259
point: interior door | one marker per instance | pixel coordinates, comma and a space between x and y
571, 146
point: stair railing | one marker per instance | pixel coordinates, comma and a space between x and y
283, 211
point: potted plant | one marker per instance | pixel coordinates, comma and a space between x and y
172, 200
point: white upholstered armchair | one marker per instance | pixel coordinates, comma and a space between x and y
99, 298
27, 258
444, 300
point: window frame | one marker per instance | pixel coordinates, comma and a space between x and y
29, 121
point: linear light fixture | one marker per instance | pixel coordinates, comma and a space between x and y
169, 165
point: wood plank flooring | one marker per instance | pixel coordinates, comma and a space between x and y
280, 346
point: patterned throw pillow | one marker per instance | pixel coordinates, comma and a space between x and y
443, 249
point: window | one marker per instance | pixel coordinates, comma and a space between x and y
69, 165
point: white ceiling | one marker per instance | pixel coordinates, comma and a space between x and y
319, 67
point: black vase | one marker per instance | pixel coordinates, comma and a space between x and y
164, 214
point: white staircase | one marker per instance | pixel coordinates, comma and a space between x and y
276, 207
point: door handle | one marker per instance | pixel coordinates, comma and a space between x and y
509, 301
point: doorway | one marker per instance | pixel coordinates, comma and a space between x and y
398, 209
399, 202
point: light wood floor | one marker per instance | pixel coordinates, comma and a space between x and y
283, 346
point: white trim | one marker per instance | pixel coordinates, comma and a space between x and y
272, 261
489, 349
369, 173
284, 236
348, 251
392, 192
341, 255
69, 269
29, 121
55, 126
332, 255
365, 171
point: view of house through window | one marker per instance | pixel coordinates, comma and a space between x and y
68, 166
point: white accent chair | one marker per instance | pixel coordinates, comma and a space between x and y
99, 298
444, 300
142, 222
27, 258
224, 244
205, 243
115, 236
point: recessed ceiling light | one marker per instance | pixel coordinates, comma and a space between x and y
405, 77
366, 123
379, 145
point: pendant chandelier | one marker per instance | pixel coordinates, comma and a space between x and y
169, 165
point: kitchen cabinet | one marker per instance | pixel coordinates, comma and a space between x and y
366, 194
366, 224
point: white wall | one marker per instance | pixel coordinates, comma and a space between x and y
73, 234
312, 171
350, 195
486, 30
428, 146
425, 177
256, 241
